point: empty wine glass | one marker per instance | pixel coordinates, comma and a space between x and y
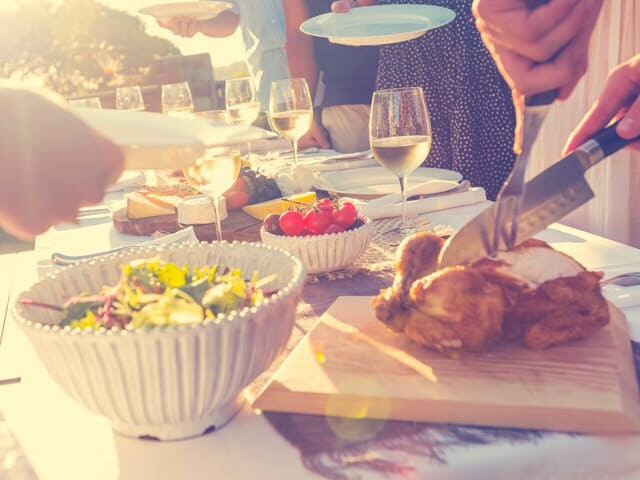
91, 102
291, 110
213, 174
176, 99
400, 136
129, 98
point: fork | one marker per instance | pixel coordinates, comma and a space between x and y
623, 280
510, 197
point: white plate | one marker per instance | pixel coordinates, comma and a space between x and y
376, 181
378, 25
152, 141
197, 10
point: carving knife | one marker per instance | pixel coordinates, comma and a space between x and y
549, 197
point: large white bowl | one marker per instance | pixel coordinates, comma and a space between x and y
325, 253
168, 382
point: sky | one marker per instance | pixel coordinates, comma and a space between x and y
223, 51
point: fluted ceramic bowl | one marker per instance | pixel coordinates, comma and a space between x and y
165, 382
328, 252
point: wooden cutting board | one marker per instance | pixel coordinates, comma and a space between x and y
350, 365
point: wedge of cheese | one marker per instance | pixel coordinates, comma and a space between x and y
144, 205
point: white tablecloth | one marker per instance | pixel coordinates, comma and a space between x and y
65, 441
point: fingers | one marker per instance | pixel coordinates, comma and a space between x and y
619, 94
342, 6
182, 26
319, 135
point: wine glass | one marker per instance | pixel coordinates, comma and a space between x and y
91, 102
129, 98
400, 136
240, 98
213, 174
176, 99
291, 110
242, 105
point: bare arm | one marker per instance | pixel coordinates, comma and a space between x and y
302, 63
51, 163
223, 25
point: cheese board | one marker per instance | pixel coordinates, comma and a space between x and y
350, 365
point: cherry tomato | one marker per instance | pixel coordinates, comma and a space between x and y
335, 228
317, 221
291, 223
345, 215
271, 224
236, 199
326, 204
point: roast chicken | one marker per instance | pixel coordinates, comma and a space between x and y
531, 294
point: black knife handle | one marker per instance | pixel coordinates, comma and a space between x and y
531, 4
610, 141
541, 99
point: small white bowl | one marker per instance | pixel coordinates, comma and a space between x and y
165, 382
328, 252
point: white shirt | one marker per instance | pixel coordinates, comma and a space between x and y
263, 29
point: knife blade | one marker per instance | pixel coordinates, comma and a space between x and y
549, 197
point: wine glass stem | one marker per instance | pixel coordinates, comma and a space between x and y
295, 151
403, 192
216, 206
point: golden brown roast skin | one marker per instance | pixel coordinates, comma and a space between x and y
559, 310
416, 257
531, 294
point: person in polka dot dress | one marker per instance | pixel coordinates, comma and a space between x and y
470, 104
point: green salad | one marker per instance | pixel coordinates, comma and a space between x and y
152, 292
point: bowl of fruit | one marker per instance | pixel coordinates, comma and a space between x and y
326, 236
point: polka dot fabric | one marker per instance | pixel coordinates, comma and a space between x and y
470, 105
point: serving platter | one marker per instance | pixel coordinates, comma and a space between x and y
378, 25
197, 10
374, 182
350, 365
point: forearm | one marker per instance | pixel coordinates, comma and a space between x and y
302, 63
223, 25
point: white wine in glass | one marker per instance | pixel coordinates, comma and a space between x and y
213, 174
400, 136
291, 110
177, 100
129, 98
240, 99
92, 102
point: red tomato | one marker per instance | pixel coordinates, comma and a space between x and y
345, 215
326, 204
335, 228
317, 221
291, 223
272, 224
236, 199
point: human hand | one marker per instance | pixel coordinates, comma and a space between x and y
619, 99
538, 49
315, 137
342, 6
51, 163
182, 26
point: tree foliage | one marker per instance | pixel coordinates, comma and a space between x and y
76, 46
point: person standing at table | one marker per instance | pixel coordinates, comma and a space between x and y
51, 162
348, 77
470, 104
263, 30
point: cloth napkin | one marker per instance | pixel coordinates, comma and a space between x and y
391, 205
129, 179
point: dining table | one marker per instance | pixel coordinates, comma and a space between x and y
46, 435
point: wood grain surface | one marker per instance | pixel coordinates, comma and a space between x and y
237, 226
350, 365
